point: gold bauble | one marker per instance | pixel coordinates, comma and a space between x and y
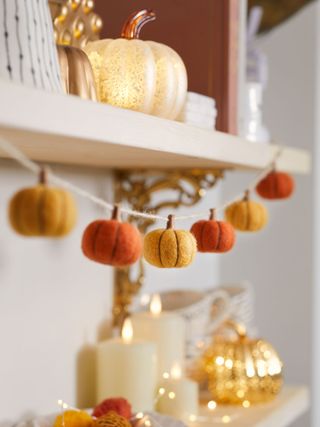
241, 370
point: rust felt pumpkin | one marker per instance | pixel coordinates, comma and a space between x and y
247, 215
112, 242
212, 235
169, 248
276, 185
42, 210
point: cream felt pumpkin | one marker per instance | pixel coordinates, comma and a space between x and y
140, 75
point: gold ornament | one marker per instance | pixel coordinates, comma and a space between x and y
241, 370
74, 22
76, 73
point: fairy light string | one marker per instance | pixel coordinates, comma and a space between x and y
14, 153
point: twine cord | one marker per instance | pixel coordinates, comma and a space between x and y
16, 154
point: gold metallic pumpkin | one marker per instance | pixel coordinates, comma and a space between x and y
76, 73
241, 370
139, 75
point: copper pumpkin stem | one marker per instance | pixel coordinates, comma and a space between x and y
212, 215
133, 25
43, 176
170, 222
116, 213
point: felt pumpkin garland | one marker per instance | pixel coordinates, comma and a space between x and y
212, 235
276, 185
169, 248
247, 215
42, 210
112, 242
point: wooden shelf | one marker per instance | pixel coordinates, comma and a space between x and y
56, 128
286, 408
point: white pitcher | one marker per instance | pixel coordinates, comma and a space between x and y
203, 312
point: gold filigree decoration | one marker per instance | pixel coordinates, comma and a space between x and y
74, 22
139, 189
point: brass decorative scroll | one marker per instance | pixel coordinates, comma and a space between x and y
138, 189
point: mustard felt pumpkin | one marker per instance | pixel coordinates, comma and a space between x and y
247, 215
140, 75
42, 211
169, 248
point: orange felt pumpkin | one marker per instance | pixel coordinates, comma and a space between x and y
276, 185
112, 242
212, 235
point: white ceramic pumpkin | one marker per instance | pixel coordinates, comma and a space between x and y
140, 75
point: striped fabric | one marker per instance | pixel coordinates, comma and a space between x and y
28, 53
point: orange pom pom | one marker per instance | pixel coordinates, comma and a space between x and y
117, 404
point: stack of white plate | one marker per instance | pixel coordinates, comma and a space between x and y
199, 110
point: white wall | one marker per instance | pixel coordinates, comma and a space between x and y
316, 255
52, 301
278, 261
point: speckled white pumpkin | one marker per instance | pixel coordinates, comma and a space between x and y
140, 75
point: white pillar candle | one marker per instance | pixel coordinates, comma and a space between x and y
178, 397
167, 330
127, 367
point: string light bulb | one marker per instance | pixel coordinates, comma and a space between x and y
212, 405
172, 395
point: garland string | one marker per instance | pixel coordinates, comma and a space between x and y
27, 163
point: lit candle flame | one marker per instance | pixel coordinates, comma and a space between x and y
127, 331
155, 305
176, 371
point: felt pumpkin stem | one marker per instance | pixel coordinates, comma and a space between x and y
246, 195
116, 213
212, 215
133, 25
43, 176
170, 222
